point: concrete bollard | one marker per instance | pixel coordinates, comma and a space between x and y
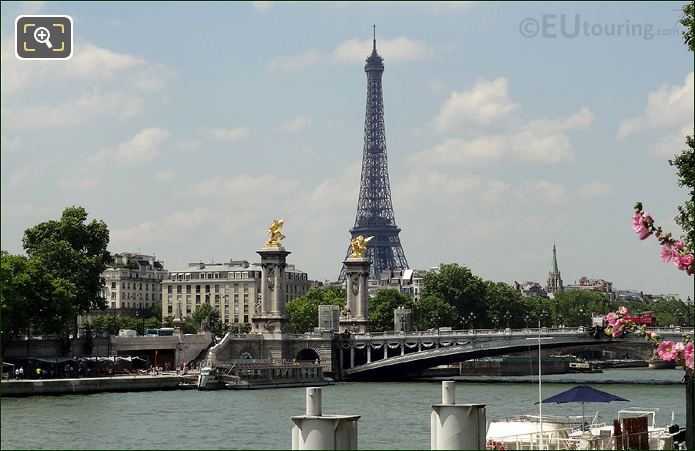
317, 431
456, 426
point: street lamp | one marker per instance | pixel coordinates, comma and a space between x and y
581, 315
559, 319
142, 322
507, 316
471, 318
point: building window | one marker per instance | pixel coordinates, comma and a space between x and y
113, 295
170, 310
179, 289
113, 305
246, 308
113, 285
197, 299
246, 299
188, 289
207, 288
169, 289
236, 287
217, 299
246, 287
188, 299
197, 288
246, 318
217, 287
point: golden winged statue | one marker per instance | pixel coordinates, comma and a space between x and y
359, 246
275, 234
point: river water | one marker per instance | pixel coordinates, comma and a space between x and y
395, 415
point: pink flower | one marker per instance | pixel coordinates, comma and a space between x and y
688, 354
619, 327
610, 318
641, 223
678, 245
683, 262
622, 310
679, 347
667, 350
667, 252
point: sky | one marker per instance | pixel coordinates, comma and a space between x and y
189, 127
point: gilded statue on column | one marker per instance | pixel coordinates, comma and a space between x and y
275, 233
359, 246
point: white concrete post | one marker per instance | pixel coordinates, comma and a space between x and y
315, 431
403, 348
352, 356
314, 404
369, 353
456, 426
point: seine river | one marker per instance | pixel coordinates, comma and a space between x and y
394, 415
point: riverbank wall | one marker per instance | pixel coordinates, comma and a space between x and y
88, 385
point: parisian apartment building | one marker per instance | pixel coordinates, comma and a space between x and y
232, 287
133, 282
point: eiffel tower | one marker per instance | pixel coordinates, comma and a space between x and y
374, 208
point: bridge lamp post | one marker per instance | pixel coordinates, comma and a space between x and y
581, 316
559, 319
495, 321
471, 318
527, 319
507, 316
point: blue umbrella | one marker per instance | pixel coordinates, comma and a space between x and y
582, 394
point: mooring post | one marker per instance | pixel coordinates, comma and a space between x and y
314, 430
456, 426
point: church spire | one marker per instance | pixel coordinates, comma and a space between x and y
554, 279
553, 266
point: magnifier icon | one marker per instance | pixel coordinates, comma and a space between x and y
43, 36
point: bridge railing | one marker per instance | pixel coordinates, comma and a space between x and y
469, 333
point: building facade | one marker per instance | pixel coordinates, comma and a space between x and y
232, 287
598, 285
407, 281
133, 281
530, 288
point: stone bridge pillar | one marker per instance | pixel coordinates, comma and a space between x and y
270, 315
356, 319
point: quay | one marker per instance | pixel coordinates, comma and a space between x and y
87, 385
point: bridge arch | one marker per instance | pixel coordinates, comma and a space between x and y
308, 355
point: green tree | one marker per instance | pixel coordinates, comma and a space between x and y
303, 312
685, 169
502, 306
433, 311
207, 314
74, 254
381, 308
688, 21
457, 286
577, 306
32, 299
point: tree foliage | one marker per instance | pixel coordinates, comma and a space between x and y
75, 251
207, 317
688, 21
381, 308
303, 312
685, 169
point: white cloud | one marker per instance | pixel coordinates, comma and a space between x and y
9, 144
262, 6
20, 175
667, 107
487, 102
295, 125
142, 147
167, 227
229, 134
31, 7
541, 140
392, 50
673, 143
24, 210
541, 190
342, 189
245, 188
295, 62
164, 175
79, 183
74, 111
594, 189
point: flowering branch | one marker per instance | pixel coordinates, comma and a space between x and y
671, 249
619, 323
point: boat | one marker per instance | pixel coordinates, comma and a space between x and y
210, 379
659, 364
584, 367
250, 374
523, 432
